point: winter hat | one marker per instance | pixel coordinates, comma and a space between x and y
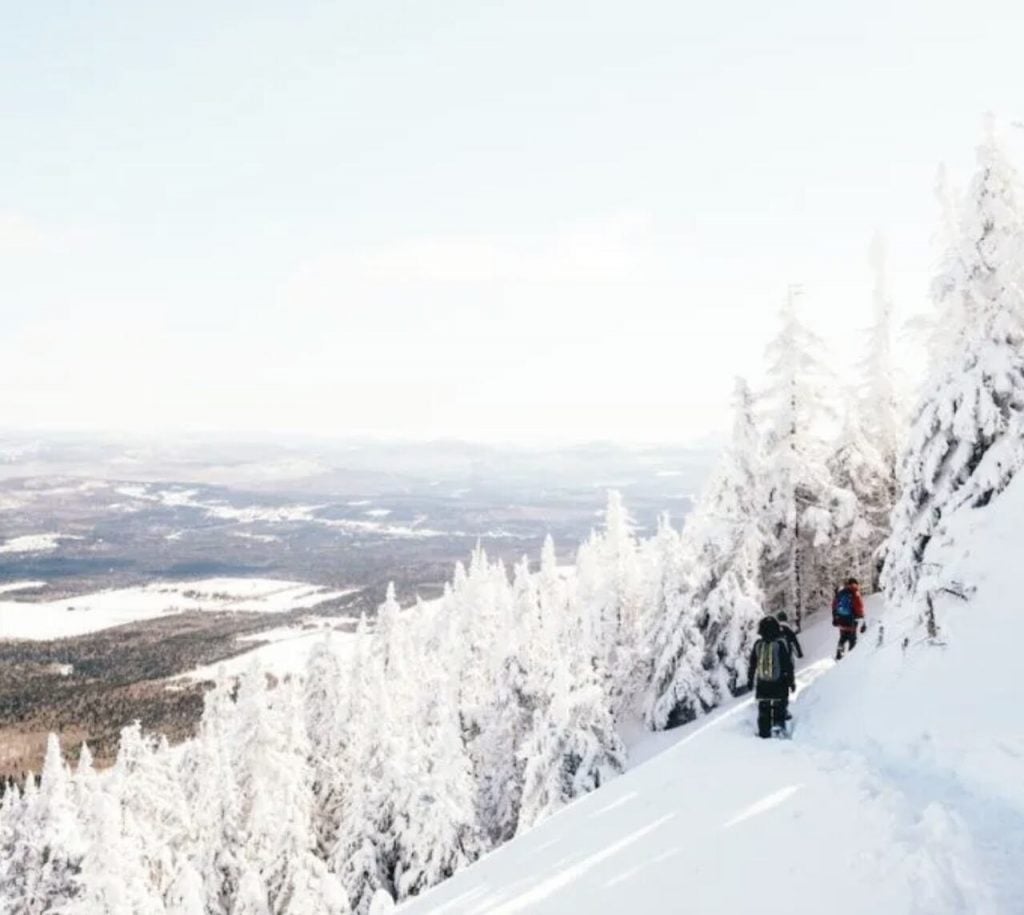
768, 628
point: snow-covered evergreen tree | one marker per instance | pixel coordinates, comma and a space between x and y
967, 437
676, 645
45, 847
881, 412
796, 573
362, 849
572, 748
114, 876
276, 794
326, 713
709, 591
211, 788
154, 806
435, 820
612, 599
863, 460
499, 769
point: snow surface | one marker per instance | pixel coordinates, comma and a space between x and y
901, 792
100, 610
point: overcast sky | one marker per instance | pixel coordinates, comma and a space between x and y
516, 220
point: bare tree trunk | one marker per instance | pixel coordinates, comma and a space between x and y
929, 617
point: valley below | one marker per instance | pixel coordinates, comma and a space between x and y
128, 575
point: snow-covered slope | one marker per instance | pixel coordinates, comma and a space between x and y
902, 792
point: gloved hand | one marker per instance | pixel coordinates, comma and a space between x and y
792, 687
863, 628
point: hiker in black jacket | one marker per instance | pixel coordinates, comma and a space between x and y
789, 635
770, 674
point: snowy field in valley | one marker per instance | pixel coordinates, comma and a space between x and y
286, 652
902, 790
31, 543
84, 613
288, 648
138, 494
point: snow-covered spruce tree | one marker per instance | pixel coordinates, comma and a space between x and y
10, 817
572, 747
388, 632
84, 782
154, 805
863, 462
543, 637
880, 407
41, 871
519, 678
710, 586
676, 645
326, 710
967, 437
487, 645
361, 855
857, 502
435, 819
473, 602
276, 796
114, 876
424, 821
796, 573
613, 602
211, 788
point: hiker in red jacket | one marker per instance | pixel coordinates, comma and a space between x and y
848, 616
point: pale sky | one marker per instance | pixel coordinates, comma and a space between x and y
515, 220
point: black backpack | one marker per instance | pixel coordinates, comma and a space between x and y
769, 667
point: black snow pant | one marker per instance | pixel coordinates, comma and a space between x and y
772, 705
846, 637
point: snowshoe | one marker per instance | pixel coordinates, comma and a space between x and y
784, 730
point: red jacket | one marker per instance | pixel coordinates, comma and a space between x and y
858, 609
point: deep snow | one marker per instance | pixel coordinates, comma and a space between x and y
901, 792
